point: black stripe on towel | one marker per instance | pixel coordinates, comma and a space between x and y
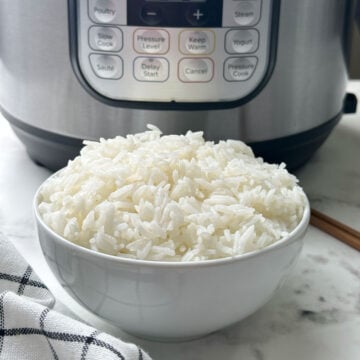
18, 279
87, 344
24, 280
2, 319
55, 335
42, 327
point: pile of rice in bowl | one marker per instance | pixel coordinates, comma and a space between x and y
171, 198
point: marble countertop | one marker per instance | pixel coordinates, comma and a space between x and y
315, 315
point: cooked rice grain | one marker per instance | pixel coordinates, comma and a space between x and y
171, 198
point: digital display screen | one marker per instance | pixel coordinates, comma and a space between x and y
178, 1
175, 13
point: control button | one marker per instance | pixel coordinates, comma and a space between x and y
196, 70
107, 66
247, 13
197, 15
151, 69
103, 11
105, 38
151, 15
151, 41
197, 42
242, 41
239, 69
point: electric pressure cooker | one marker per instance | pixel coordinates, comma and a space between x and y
272, 73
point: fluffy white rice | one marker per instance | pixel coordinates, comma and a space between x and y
171, 198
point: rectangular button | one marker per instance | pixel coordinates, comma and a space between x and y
239, 68
105, 38
196, 70
242, 41
151, 69
108, 11
151, 41
241, 12
107, 66
197, 42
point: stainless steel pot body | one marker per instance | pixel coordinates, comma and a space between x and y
38, 86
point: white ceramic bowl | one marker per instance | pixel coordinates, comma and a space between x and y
170, 301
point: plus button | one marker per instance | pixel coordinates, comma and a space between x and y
198, 14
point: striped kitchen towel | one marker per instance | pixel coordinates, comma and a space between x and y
30, 330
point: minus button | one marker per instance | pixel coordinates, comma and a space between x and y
151, 15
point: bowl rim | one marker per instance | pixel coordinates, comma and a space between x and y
294, 235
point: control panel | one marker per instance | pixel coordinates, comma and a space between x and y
186, 51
